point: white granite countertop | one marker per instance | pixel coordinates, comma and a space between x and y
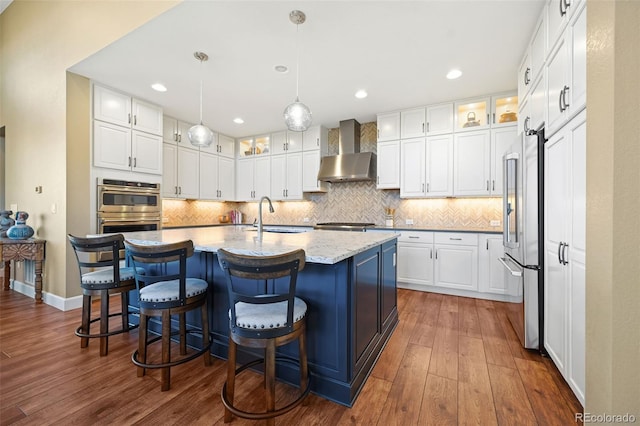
320, 246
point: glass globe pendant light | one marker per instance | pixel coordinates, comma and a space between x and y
200, 135
297, 116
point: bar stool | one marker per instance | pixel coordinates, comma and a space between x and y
165, 290
101, 275
264, 320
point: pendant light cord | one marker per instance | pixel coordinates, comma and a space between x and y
297, 62
200, 91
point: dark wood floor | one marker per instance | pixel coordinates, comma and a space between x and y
452, 360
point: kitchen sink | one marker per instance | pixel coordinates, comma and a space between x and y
280, 230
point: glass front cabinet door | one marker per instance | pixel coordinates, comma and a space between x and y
472, 114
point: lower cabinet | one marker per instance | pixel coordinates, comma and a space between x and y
458, 263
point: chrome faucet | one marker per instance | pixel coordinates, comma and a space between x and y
271, 210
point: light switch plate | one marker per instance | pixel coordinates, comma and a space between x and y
494, 223
409, 221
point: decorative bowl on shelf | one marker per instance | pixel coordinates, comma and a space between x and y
223, 218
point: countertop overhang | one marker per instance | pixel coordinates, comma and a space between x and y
320, 246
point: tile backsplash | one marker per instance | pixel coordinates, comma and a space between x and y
349, 202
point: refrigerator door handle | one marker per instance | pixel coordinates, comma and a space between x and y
515, 273
532, 267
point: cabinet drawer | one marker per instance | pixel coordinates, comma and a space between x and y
456, 238
416, 237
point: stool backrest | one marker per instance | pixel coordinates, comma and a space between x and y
98, 252
166, 257
239, 267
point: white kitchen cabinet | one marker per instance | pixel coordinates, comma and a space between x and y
439, 166
118, 147
181, 172
559, 14
412, 168
316, 137
388, 126
217, 177
504, 110
565, 251
310, 168
501, 140
254, 146
415, 260
439, 119
253, 178
177, 131
286, 176
123, 110
472, 163
222, 145
126, 132
279, 142
566, 74
532, 65
491, 273
412, 123
472, 114
456, 260
388, 168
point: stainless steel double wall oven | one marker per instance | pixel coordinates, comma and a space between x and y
125, 206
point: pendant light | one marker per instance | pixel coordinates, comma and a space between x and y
200, 135
297, 116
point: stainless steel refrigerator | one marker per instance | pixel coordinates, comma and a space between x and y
523, 230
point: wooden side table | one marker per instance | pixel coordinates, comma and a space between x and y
16, 250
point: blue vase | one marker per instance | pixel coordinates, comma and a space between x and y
6, 222
20, 231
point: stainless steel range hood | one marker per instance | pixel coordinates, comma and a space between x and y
350, 164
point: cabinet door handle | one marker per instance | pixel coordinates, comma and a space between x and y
564, 251
560, 102
135, 120
428, 127
317, 141
414, 237
565, 89
493, 185
487, 185
526, 125
562, 11
135, 161
423, 187
129, 161
488, 121
560, 252
129, 118
378, 133
487, 244
179, 190
436, 254
527, 80
431, 254
422, 127
457, 239
284, 146
175, 190
427, 186
175, 136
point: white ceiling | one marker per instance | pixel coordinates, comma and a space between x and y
398, 51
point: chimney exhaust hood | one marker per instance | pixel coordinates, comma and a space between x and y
350, 165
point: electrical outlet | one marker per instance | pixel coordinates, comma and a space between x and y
408, 221
305, 220
165, 219
494, 223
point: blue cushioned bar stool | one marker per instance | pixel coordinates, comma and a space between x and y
165, 290
101, 275
264, 315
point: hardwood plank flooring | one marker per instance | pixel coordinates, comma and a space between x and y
451, 360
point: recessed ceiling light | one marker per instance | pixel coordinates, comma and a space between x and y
361, 94
453, 74
159, 87
238, 120
281, 68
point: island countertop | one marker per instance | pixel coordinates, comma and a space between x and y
320, 246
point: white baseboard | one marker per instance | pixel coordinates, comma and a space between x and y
61, 303
458, 292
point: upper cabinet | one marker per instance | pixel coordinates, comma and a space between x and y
127, 132
532, 65
504, 110
176, 131
316, 137
440, 119
388, 126
412, 123
472, 114
257, 145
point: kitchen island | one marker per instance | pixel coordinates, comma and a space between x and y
349, 284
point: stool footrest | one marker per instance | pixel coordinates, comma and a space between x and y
134, 355
79, 332
265, 414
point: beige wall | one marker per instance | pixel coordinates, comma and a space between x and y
613, 208
40, 40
